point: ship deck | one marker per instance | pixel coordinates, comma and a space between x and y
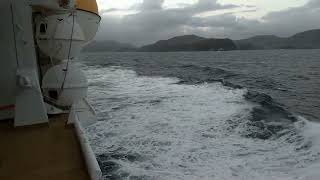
46, 152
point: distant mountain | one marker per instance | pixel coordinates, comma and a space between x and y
189, 43
305, 40
261, 42
112, 46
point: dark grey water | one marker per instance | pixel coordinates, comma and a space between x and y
206, 115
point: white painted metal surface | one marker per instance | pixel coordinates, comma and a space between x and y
89, 23
29, 106
52, 110
52, 4
8, 62
82, 115
54, 34
75, 84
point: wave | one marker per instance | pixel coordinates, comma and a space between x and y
267, 120
165, 128
200, 74
270, 118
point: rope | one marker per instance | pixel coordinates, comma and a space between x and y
14, 36
69, 52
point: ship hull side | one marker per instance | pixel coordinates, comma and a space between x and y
8, 62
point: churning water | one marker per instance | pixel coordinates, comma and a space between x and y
206, 115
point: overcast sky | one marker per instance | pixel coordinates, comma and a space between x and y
141, 22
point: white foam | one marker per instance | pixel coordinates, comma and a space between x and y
187, 131
311, 135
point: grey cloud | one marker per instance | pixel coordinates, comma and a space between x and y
209, 5
153, 22
148, 5
108, 10
225, 20
294, 20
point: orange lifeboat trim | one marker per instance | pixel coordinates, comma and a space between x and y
88, 5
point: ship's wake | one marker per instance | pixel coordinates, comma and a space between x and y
160, 128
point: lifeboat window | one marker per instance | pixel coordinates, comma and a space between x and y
43, 28
64, 3
53, 94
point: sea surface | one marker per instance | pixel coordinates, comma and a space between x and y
238, 115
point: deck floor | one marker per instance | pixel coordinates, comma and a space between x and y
41, 153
